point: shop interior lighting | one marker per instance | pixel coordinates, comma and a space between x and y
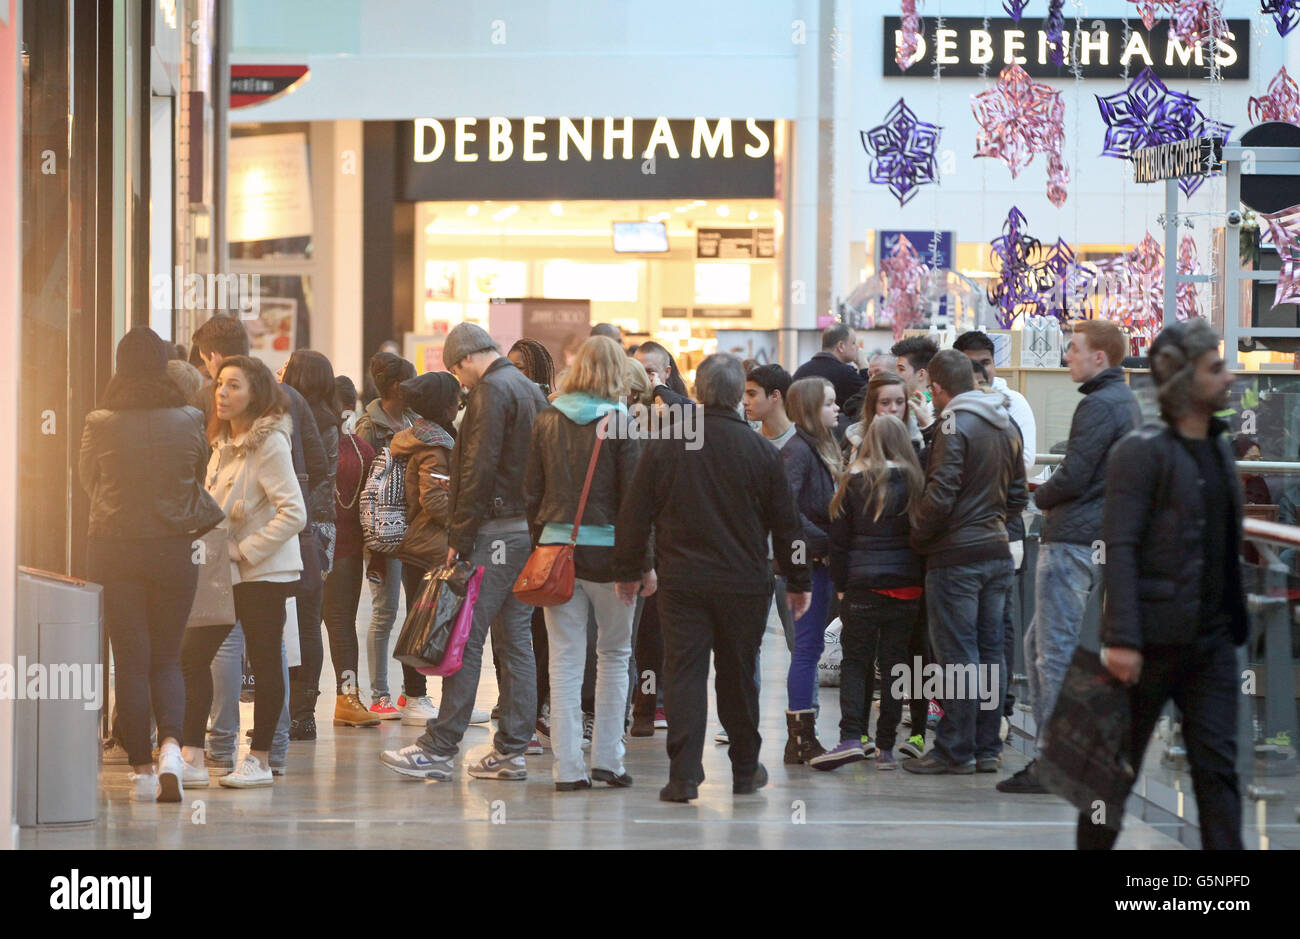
557, 209
724, 211
471, 209
681, 208
505, 213
753, 215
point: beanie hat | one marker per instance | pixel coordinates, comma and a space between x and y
465, 339
435, 396
141, 354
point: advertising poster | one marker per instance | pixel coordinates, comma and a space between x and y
560, 325
424, 351
269, 194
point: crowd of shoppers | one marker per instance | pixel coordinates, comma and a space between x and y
891, 496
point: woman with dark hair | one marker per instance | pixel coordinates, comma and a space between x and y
662, 369
143, 457
312, 376
534, 360
252, 478
345, 392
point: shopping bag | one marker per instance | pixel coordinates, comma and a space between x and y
451, 660
431, 620
1084, 747
214, 598
292, 644
828, 666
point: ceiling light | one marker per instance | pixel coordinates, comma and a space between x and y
753, 215
557, 209
505, 213
699, 202
681, 208
471, 209
724, 211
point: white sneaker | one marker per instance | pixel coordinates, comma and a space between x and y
196, 777
144, 787
252, 774
480, 716
418, 711
171, 774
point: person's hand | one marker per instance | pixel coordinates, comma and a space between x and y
649, 583
839, 595
451, 556
799, 603
922, 409
627, 591
1124, 665
233, 550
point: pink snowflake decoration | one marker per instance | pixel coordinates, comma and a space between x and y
1188, 304
911, 26
1018, 118
1153, 10
1197, 21
1282, 103
1284, 232
904, 276
1134, 292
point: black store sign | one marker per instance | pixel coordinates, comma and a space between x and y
457, 159
731, 243
1200, 156
1105, 48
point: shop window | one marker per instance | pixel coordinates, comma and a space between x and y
489, 278
604, 283
721, 283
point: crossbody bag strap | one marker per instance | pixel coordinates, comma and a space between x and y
591, 471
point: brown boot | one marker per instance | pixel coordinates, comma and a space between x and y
350, 712
801, 744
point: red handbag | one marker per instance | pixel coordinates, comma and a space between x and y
547, 578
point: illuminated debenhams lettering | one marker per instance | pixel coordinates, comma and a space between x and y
569, 137
1091, 46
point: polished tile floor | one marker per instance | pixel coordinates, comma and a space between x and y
337, 795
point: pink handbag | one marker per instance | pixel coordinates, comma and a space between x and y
451, 661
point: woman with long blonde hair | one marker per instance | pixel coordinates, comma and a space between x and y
878, 577
812, 464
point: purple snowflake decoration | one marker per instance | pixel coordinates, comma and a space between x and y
1147, 113
1285, 13
1016, 291
1054, 26
1015, 8
904, 152
1064, 279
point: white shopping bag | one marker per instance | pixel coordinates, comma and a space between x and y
828, 666
292, 648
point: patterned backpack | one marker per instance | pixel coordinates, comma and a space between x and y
383, 503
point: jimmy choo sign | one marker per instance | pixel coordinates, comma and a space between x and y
1102, 48
585, 157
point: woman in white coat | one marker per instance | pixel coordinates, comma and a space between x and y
251, 477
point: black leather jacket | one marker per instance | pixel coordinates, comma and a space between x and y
975, 481
144, 471
1153, 528
1072, 496
487, 469
557, 467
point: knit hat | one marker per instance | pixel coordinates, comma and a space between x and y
465, 339
141, 354
435, 396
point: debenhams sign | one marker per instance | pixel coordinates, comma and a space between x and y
585, 158
1102, 48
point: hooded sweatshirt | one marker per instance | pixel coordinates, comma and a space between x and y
581, 408
427, 449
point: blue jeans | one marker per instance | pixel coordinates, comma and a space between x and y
227, 671
809, 642
1063, 580
384, 599
964, 603
502, 557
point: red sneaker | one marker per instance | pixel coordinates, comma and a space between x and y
661, 719
384, 710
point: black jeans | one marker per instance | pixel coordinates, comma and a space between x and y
695, 623
918, 647
649, 655
304, 679
875, 629
259, 605
149, 588
414, 685
542, 655
339, 606
1202, 679
1009, 638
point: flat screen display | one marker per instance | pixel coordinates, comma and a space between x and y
640, 237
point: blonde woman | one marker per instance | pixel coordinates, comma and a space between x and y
878, 577
564, 436
812, 464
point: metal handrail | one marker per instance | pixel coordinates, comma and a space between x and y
1253, 467
1274, 533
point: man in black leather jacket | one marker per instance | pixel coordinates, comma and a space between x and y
976, 479
1175, 608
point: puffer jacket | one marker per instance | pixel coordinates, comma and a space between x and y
321, 497
1072, 496
813, 487
1153, 527
975, 481
427, 448
253, 481
487, 478
564, 436
143, 470
869, 553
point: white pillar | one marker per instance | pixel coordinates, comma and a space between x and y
347, 346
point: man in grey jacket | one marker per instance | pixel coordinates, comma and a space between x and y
1071, 554
976, 479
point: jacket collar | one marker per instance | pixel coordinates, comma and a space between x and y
259, 433
1106, 376
500, 362
378, 416
726, 413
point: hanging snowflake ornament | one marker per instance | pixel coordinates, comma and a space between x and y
1196, 21
1134, 294
1153, 10
904, 152
1018, 118
1015, 8
1187, 302
1284, 232
905, 277
1147, 113
1054, 27
907, 47
1285, 13
1064, 281
1282, 103
1016, 291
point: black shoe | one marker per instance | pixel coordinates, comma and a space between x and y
1024, 782
303, 730
573, 786
931, 765
622, 780
679, 792
496, 713
249, 733
643, 725
989, 764
755, 783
